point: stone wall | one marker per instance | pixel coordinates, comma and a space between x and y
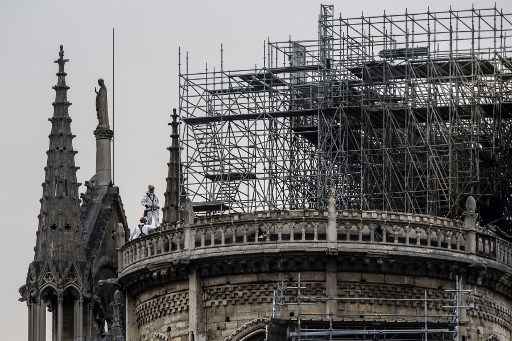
236, 303
162, 314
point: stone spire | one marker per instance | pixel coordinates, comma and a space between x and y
60, 206
172, 192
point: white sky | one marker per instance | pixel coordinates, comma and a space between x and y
148, 36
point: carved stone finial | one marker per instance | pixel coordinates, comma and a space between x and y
470, 204
189, 212
331, 206
331, 218
470, 220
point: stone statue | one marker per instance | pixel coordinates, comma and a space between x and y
116, 308
102, 105
102, 308
117, 331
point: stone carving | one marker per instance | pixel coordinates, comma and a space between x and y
252, 294
104, 303
159, 336
165, 305
102, 105
470, 204
188, 212
246, 328
116, 308
116, 304
76, 245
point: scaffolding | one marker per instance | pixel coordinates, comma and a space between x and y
435, 319
403, 112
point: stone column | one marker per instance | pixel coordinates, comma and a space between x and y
470, 224
331, 287
42, 321
35, 321
189, 242
77, 318
103, 156
30, 322
132, 331
331, 282
54, 323
90, 319
120, 241
60, 315
80, 319
332, 233
195, 307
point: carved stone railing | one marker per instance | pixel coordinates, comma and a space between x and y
403, 229
165, 242
310, 230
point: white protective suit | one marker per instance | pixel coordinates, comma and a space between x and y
151, 209
140, 231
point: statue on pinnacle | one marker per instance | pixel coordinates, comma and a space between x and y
102, 105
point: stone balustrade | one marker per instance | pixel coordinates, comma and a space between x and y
309, 230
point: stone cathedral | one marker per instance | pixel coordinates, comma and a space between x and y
355, 187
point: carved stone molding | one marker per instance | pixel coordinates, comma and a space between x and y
164, 305
246, 329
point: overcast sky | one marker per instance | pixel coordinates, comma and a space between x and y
147, 40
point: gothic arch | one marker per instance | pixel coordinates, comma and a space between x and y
251, 331
48, 276
72, 290
48, 291
255, 335
72, 276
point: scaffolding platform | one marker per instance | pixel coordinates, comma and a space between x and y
396, 112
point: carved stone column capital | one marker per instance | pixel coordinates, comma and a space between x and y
103, 133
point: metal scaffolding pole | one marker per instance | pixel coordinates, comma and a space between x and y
441, 318
403, 112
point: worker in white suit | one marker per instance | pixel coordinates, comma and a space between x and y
141, 230
151, 207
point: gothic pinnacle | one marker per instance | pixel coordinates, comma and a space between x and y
60, 203
61, 103
172, 191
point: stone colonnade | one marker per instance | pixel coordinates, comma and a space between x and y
72, 320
